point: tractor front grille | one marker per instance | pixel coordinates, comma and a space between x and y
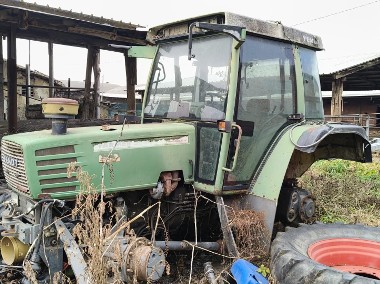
12, 158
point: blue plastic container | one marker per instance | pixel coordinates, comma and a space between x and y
245, 272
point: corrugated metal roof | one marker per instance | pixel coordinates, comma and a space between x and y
352, 63
66, 14
48, 24
364, 76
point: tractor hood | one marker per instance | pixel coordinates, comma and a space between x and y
133, 157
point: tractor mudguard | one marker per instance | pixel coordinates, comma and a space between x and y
295, 150
334, 134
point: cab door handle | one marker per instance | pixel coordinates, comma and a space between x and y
236, 150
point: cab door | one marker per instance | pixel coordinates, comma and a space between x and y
266, 98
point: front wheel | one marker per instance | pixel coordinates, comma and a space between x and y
327, 253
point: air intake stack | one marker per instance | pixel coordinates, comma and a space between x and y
59, 110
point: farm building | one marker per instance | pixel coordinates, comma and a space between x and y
354, 90
37, 94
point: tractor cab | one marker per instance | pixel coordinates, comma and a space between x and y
251, 91
240, 82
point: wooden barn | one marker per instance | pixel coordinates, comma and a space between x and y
353, 91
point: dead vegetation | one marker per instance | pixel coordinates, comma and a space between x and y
346, 192
94, 235
91, 232
251, 235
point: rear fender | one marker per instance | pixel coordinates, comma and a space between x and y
330, 141
291, 154
347, 142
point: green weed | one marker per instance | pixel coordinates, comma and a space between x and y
345, 191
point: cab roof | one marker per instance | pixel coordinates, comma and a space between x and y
253, 26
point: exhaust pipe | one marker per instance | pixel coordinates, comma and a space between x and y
59, 110
13, 251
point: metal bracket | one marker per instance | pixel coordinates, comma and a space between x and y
74, 255
142, 51
226, 229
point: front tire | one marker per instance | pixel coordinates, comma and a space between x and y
327, 253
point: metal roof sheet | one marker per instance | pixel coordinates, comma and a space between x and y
364, 76
48, 24
66, 14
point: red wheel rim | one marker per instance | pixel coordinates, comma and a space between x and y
355, 256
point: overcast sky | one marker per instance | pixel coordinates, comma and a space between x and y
348, 28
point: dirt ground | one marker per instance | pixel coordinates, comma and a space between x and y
180, 267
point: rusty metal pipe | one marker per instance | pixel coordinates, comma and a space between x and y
209, 272
181, 245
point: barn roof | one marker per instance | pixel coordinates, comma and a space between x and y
364, 76
48, 24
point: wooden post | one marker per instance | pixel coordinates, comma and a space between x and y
87, 85
51, 70
96, 69
69, 88
131, 73
336, 99
27, 89
1, 80
12, 80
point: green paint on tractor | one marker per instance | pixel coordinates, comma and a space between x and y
232, 111
138, 157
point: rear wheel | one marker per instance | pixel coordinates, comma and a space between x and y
327, 253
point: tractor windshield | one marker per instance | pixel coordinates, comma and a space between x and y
193, 89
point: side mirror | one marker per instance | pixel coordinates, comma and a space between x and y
238, 33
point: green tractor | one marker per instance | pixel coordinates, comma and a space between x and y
233, 113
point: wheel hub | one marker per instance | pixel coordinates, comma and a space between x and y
360, 257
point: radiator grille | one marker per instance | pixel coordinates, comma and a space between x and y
49, 178
14, 166
12, 157
56, 150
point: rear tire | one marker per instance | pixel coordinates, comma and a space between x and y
291, 263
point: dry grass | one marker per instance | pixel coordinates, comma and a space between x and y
345, 191
92, 232
251, 235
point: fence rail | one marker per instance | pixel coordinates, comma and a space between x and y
363, 120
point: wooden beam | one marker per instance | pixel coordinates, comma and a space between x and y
64, 38
30, 21
131, 73
1, 80
27, 81
51, 70
12, 80
96, 69
87, 84
336, 99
